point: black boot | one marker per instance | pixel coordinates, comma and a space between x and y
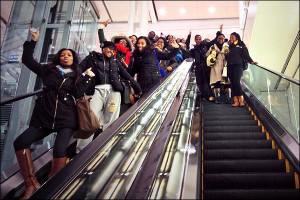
228, 98
217, 97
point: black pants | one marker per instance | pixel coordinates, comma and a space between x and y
33, 134
235, 73
202, 79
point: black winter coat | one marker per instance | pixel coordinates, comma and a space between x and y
107, 72
55, 106
237, 53
146, 67
198, 53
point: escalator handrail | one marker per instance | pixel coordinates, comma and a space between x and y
62, 177
20, 97
290, 79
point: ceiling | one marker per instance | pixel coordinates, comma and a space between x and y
118, 11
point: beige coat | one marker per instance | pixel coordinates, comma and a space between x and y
217, 68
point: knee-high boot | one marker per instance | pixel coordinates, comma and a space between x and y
57, 164
27, 171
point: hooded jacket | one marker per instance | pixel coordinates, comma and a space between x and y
123, 52
55, 106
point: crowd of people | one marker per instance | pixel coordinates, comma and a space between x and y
138, 60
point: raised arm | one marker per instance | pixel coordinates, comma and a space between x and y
188, 41
168, 55
101, 32
28, 49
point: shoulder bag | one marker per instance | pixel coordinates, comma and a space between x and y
87, 120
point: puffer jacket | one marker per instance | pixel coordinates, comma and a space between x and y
55, 106
146, 67
107, 72
238, 53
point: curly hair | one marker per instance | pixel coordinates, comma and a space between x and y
74, 66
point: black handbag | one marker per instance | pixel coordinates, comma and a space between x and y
125, 96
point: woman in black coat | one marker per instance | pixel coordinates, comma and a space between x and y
55, 109
238, 53
145, 63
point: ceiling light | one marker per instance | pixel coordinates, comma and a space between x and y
162, 11
212, 10
182, 11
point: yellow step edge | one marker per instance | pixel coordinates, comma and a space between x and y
258, 123
263, 129
268, 136
287, 166
296, 180
273, 145
280, 155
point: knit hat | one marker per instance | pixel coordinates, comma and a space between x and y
108, 44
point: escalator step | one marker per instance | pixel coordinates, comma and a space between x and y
235, 136
226, 112
268, 194
208, 129
230, 154
238, 144
247, 181
228, 117
231, 123
237, 166
223, 108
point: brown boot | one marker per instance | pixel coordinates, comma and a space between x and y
57, 164
27, 171
236, 101
241, 100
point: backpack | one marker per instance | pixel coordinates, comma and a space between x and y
245, 64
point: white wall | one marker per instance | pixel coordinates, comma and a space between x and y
275, 28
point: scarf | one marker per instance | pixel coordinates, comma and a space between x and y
63, 71
124, 50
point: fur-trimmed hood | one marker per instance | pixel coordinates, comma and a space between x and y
116, 39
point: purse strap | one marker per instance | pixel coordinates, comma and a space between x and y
156, 59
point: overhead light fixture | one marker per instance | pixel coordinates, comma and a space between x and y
182, 11
212, 10
162, 11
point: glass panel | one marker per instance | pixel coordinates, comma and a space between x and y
169, 176
84, 29
278, 95
12, 48
58, 12
113, 169
56, 37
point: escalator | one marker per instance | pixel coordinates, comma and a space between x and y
168, 147
238, 159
